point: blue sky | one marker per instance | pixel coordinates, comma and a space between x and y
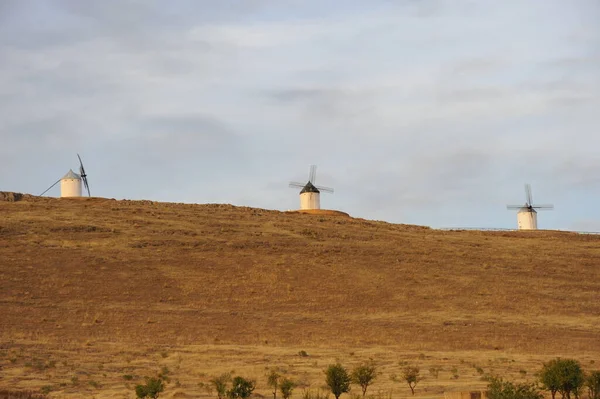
431, 112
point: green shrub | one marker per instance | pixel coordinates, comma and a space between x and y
241, 388
435, 371
500, 389
220, 384
46, 389
410, 374
287, 387
152, 389
564, 376
592, 382
337, 379
364, 375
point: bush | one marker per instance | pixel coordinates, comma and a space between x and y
240, 388
454, 372
164, 374
337, 379
564, 376
220, 384
435, 371
500, 389
152, 388
364, 375
273, 382
592, 382
410, 374
286, 387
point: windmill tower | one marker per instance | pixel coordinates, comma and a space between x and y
310, 193
71, 183
527, 214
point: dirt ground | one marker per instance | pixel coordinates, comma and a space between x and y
97, 293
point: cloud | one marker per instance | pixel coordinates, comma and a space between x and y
174, 136
181, 146
433, 112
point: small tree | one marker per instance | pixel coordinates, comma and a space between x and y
286, 387
550, 377
564, 376
364, 375
273, 382
152, 388
500, 389
410, 374
435, 371
220, 384
592, 382
337, 379
240, 388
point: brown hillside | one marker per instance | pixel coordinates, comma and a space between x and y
89, 272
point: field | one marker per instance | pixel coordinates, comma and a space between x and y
98, 293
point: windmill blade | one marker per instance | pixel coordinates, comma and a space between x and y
325, 189
48, 189
87, 186
81, 169
84, 176
514, 207
295, 184
528, 194
545, 206
313, 174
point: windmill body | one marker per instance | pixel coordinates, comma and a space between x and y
310, 195
527, 214
70, 185
527, 219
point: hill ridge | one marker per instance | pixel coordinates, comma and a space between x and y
265, 261
96, 283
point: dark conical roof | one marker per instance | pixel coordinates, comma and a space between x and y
309, 188
526, 208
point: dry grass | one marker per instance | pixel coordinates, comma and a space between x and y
7, 394
96, 289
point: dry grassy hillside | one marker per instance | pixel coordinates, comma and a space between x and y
112, 277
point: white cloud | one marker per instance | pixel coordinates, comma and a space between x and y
414, 111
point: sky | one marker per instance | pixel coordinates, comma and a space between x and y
429, 112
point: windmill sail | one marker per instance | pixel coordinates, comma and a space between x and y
84, 176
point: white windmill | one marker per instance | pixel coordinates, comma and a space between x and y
527, 214
310, 193
71, 183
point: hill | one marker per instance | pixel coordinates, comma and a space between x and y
114, 277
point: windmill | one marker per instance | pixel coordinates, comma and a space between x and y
527, 214
83, 176
310, 193
70, 184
